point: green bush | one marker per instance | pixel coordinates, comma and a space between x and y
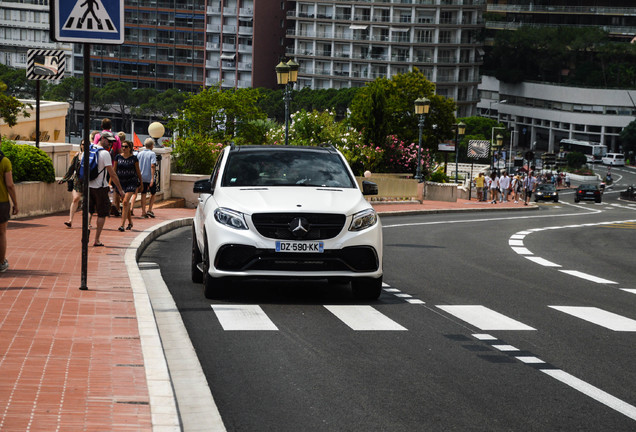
439, 176
576, 160
28, 163
194, 155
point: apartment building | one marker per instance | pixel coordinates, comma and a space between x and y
24, 25
541, 114
245, 41
348, 43
164, 47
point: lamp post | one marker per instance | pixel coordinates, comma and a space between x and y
460, 130
156, 130
287, 73
422, 105
492, 145
496, 148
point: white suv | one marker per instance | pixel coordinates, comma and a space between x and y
614, 159
285, 212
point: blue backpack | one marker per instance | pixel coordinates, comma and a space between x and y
93, 158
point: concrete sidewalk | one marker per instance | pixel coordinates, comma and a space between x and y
81, 360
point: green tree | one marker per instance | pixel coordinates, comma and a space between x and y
119, 96
162, 104
10, 107
71, 90
386, 107
217, 114
17, 84
628, 140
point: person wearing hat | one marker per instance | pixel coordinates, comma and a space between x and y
99, 201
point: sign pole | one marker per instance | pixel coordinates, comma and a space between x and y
87, 143
37, 114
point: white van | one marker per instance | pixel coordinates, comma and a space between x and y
614, 159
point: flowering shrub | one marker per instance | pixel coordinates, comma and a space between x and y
400, 157
194, 155
314, 128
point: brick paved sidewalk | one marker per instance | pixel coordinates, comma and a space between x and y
71, 360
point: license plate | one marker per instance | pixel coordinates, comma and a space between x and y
303, 247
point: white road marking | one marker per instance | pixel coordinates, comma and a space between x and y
600, 317
391, 290
522, 251
484, 337
505, 348
530, 359
243, 317
515, 242
588, 277
362, 318
415, 301
593, 392
542, 261
484, 318
629, 290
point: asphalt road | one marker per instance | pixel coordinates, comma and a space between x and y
491, 321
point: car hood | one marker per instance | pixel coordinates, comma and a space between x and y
291, 199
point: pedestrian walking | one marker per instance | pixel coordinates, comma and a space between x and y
148, 166
529, 186
494, 187
127, 169
480, 181
99, 189
504, 186
75, 185
7, 192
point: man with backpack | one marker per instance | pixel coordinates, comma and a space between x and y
98, 186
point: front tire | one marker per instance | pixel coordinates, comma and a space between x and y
212, 287
196, 274
366, 288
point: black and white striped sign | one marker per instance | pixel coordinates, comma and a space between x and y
45, 64
478, 149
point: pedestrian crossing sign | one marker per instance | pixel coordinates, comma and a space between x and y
90, 21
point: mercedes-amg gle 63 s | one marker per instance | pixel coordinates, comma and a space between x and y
285, 212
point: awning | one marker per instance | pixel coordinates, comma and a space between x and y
358, 27
400, 30
228, 56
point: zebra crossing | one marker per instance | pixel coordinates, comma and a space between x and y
251, 317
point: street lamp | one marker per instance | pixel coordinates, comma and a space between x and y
460, 130
422, 105
496, 148
287, 73
156, 130
492, 145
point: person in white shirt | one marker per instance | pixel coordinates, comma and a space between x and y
494, 187
98, 188
504, 186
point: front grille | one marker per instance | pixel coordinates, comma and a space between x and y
276, 225
245, 258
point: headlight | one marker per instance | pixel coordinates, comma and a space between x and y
364, 219
230, 218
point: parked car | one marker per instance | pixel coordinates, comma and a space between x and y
614, 159
285, 212
588, 192
546, 192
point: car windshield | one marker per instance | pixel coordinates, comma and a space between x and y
547, 187
286, 167
588, 187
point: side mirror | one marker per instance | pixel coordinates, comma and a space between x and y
202, 186
369, 188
